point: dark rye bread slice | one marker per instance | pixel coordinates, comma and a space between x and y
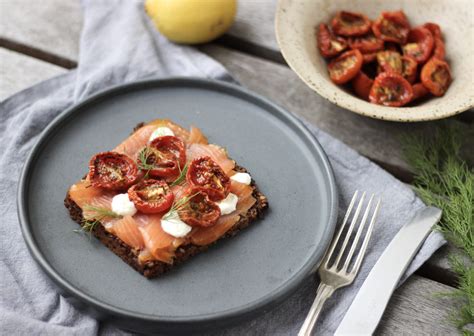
152, 269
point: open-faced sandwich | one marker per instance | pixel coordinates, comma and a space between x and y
163, 195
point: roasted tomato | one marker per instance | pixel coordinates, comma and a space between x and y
420, 44
419, 91
390, 61
366, 44
436, 76
362, 84
328, 44
204, 172
409, 67
434, 29
392, 27
151, 196
350, 24
163, 157
199, 210
369, 58
390, 89
345, 67
439, 49
112, 171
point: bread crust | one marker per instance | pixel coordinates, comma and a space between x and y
155, 268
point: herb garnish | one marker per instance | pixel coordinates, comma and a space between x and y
181, 177
143, 158
445, 180
100, 214
177, 206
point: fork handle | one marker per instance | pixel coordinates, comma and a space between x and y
323, 293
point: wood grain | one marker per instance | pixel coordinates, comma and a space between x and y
18, 72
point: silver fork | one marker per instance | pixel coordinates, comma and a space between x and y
335, 276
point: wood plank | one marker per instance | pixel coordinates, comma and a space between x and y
18, 72
414, 310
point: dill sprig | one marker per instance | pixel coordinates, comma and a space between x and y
143, 158
181, 177
444, 179
178, 205
98, 214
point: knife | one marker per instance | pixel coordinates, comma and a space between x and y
369, 304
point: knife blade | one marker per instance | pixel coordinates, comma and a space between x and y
369, 304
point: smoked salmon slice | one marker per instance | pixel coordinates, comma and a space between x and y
218, 154
196, 137
127, 230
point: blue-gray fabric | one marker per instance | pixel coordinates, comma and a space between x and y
119, 45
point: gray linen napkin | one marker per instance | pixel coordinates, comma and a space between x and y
120, 45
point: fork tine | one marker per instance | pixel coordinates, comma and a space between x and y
361, 254
349, 231
341, 228
358, 234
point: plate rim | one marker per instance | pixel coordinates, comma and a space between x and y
278, 295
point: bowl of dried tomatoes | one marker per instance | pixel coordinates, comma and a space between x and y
399, 61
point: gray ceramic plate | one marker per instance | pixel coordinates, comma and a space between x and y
234, 279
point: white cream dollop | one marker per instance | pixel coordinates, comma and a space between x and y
122, 205
243, 178
228, 204
175, 226
160, 131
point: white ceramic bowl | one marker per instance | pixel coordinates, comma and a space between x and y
295, 24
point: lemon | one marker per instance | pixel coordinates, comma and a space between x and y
192, 21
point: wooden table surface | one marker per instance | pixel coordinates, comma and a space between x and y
40, 39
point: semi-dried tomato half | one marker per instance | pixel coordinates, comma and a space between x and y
390, 61
204, 172
366, 44
151, 196
112, 171
328, 44
409, 67
164, 157
420, 44
390, 89
350, 24
434, 29
362, 85
345, 67
369, 58
419, 91
436, 76
439, 49
392, 27
198, 209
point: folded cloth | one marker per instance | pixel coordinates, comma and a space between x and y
119, 45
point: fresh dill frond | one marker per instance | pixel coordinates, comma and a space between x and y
177, 206
181, 177
98, 214
143, 158
444, 179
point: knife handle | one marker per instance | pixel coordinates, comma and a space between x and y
323, 293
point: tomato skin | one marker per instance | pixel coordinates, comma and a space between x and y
369, 58
436, 76
366, 44
200, 210
390, 61
439, 49
392, 27
362, 85
112, 171
328, 44
420, 44
148, 198
205, 173
434, 29
173, 156
409, 68
345, 67
419, 91
390, 89
350, 24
